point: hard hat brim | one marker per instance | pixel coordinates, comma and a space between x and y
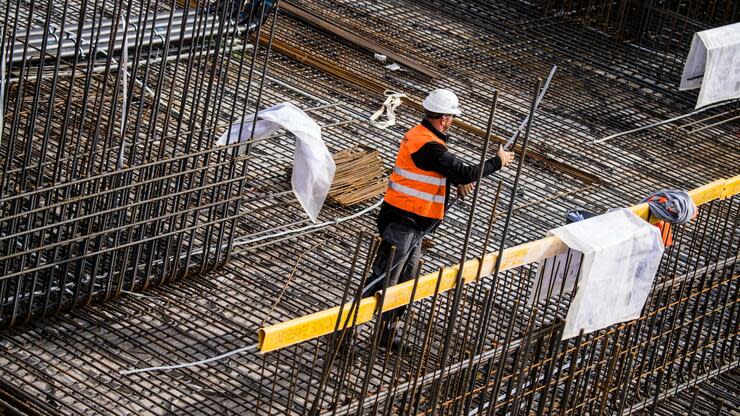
427, 107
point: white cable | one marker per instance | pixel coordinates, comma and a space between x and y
249, 348
392, 101
312, 226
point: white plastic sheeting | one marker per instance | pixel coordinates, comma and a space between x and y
313, 166
714, 64
621, 254
557, 274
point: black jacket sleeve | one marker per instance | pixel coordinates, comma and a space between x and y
436, 158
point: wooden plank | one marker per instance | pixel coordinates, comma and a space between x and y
307, 327
513, 257
708, 192
641, 210
719, 189
732, 187
321, 323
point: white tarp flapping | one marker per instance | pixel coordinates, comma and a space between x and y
714, 64
313, 166
621, 254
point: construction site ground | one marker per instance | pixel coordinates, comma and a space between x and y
72, 361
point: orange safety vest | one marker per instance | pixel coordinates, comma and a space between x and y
415, 190
665, 232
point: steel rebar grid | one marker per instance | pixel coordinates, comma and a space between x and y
78, 226
525, 367
662, 29
536, 48
305, 296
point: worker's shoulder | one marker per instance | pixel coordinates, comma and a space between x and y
418, 130
433, 147
422, 134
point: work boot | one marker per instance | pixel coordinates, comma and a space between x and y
396, 346
392, 343
427, 244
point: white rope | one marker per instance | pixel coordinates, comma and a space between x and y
249, 348
392, 101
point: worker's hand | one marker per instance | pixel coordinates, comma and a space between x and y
464, 190
506, 157
427, 243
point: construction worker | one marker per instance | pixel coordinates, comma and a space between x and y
415, 199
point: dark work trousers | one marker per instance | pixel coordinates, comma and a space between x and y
407, 240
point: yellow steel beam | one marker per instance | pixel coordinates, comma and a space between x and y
307, 327
641, 210
732, 187
400, 294
710, 191
297, 330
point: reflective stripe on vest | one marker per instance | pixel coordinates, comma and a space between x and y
437, 199
411, 188
421, 178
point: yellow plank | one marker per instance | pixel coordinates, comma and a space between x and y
307, 327
520, 255
530, 252
641, 210
708, 192
300, 329
732, 187
701, 195
400, 294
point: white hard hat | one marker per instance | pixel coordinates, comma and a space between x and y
442, 101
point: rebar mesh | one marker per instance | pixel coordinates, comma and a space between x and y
78, 227
97, 198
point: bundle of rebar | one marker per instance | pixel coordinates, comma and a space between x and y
359, 176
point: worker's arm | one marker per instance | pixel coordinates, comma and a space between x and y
436, 158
